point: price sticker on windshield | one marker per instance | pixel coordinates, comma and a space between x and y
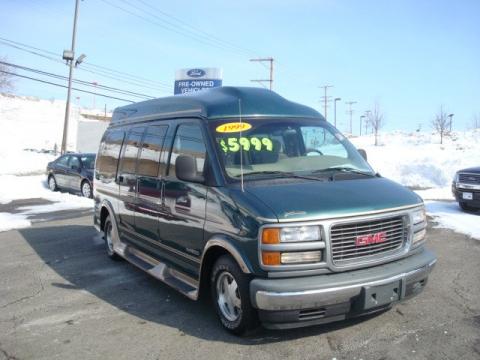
234, 144
233, 127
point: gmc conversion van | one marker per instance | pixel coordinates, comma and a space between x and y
262, 203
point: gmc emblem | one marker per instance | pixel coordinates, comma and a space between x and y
364, 240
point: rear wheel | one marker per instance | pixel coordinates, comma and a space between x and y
108, 237
52, 183
86, 189
230, 293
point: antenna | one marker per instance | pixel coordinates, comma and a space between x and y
241, 149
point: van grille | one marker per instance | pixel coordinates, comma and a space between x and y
343, 238
469, 178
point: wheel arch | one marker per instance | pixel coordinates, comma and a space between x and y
214, 248
106, 209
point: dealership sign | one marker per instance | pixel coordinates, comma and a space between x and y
191, 80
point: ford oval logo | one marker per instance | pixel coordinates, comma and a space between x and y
196, 73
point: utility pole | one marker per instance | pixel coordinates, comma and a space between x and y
361, 117
335, 110
350, 111
69, 56
325, 98
270, 79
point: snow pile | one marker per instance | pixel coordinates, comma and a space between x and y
418, 159
448, 215
31, 187
29, 122
19, 162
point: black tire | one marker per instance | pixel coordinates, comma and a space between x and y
88, 193
466, 207
243, 316
52, 183
107, 236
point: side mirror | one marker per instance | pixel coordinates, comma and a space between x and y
363, 153
186, 169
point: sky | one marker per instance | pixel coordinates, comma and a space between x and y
411, 57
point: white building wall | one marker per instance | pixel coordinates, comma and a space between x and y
89, 134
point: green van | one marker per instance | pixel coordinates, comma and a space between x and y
259, 201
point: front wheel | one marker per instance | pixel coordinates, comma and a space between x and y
230, 293
52, 183
108, 237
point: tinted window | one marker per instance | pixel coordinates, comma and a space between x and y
149, 159
109, 154
130, 152
188, 141
63, 161
88, 161
74, 162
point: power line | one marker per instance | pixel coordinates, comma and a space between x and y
158, 21
64, 86
325, 98
81, 82
100, 70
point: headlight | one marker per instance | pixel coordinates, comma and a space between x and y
419, 216
455, 178
292, 245
419, 225
291, 234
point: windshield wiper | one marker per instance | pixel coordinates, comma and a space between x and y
344, 169
281, 173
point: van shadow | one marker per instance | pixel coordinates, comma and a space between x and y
76, 253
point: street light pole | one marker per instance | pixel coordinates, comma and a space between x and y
69, 56
451, 116
335, 110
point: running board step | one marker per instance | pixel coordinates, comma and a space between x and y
161, 271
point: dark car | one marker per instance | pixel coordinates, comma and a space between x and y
72, 172
466, 188
273, 211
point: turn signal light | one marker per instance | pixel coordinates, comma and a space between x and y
271, 236
271, 257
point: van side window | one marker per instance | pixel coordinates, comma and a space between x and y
149, 159
130, 150
109, 153
188, 141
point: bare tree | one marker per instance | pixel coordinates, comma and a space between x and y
376, 120
441, 123
6, 78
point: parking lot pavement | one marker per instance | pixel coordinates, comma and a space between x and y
61, 297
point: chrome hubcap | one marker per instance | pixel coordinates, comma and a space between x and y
51, 183
86, 190
228, 296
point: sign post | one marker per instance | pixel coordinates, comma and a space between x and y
197, 79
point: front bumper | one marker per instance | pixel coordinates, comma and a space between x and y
293, 302
458, 193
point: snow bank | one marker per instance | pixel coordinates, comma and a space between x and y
13, 221
418, 159
19, 162
448, 215
30, 187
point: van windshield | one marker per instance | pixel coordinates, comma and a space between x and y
285, 146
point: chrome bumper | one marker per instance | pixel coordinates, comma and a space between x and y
325, 290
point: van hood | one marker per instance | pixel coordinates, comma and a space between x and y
317, 199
